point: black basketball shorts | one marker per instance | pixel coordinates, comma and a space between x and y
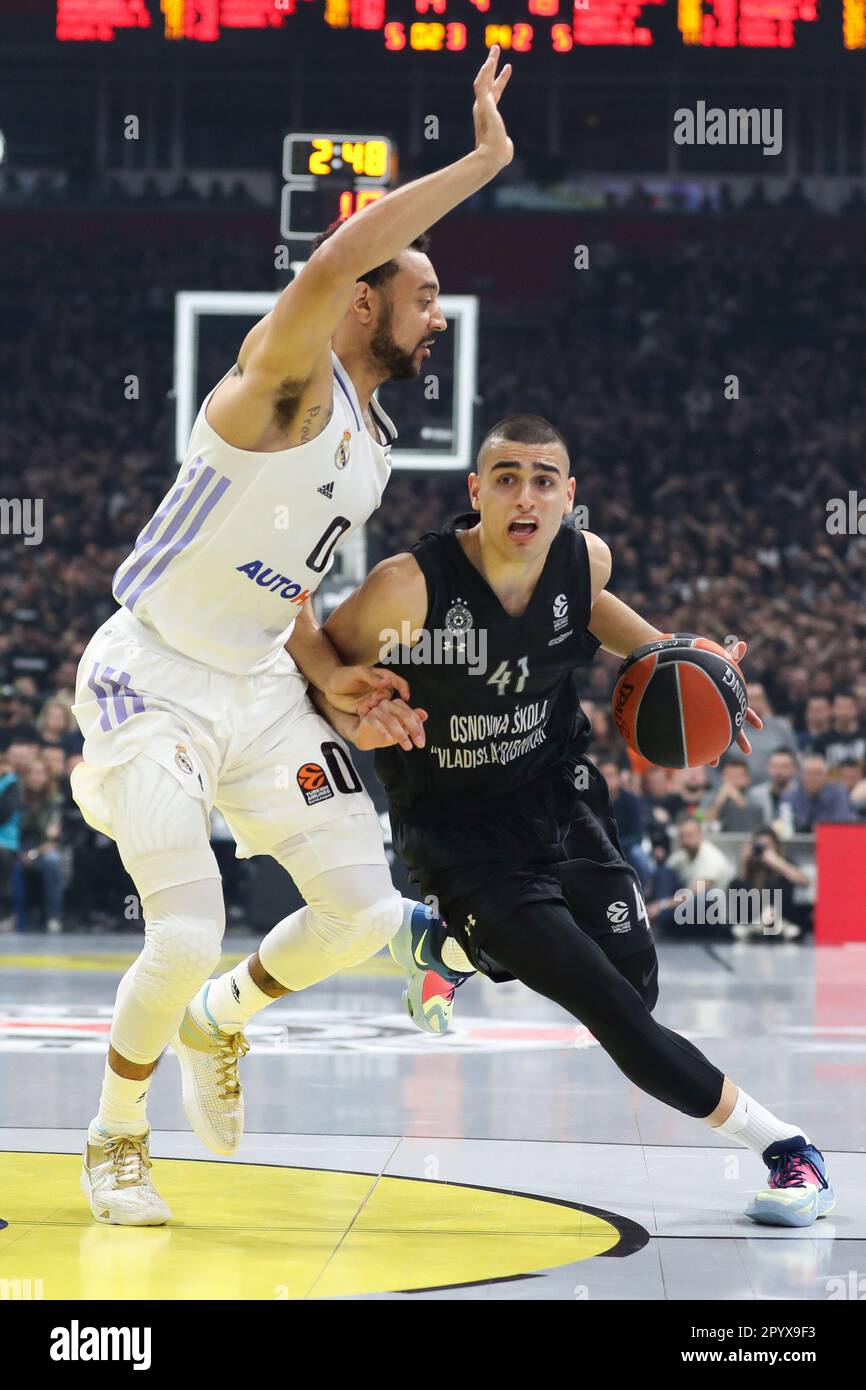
548, 842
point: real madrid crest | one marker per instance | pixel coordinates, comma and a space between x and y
182, 758
458, 618
341, 457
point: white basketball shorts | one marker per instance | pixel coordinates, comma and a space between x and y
253, 746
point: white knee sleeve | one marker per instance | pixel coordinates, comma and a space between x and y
350, 915
162, 831
182, 945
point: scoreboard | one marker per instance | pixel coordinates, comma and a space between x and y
452, 26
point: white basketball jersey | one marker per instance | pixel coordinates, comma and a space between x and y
243, 538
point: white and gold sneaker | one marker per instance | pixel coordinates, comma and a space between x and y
212, 1096
115, 1179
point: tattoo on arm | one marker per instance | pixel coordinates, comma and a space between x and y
307, 422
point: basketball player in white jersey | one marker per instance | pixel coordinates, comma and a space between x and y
193, 694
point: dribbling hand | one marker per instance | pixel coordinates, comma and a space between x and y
736, 654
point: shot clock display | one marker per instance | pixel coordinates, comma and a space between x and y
330, 176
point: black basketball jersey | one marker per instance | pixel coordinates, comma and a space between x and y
500, 691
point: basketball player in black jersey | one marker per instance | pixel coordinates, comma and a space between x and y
500, 815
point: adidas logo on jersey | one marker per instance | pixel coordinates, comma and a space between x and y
327, 489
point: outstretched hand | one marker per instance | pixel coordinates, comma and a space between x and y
490, 133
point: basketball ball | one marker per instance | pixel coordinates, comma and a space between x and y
679, 702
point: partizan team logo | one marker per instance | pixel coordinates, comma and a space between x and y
458, 618
341, 457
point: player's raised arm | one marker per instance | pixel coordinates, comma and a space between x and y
291, 344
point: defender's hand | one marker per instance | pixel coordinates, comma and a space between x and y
490, 133
357, 689
390, 722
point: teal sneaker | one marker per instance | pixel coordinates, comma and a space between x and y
430, 984
799, 1191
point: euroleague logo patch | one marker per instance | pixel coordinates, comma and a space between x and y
617, 915
314, 784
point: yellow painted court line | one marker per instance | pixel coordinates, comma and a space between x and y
274, 1233
379, 967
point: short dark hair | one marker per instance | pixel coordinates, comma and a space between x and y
524, 429
380, 274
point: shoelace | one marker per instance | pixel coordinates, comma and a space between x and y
233, 1047
129, 1157
793, 1170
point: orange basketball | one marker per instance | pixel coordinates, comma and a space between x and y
679, 702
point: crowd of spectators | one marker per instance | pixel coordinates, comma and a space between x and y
89, 187
713, 406
49, 189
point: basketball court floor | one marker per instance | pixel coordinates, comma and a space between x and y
510, 1160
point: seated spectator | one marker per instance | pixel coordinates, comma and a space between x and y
16, 725
691, 788
700, 864
819, 719
847, 737
731, 808
629, 814
55, 723
55, 761
10, 838
765, 883
776, 733
814, 800
661, 804
663, 883
857, 801
41, 809
22, 751
769, 796
606, 742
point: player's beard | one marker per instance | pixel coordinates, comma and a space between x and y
395, 363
